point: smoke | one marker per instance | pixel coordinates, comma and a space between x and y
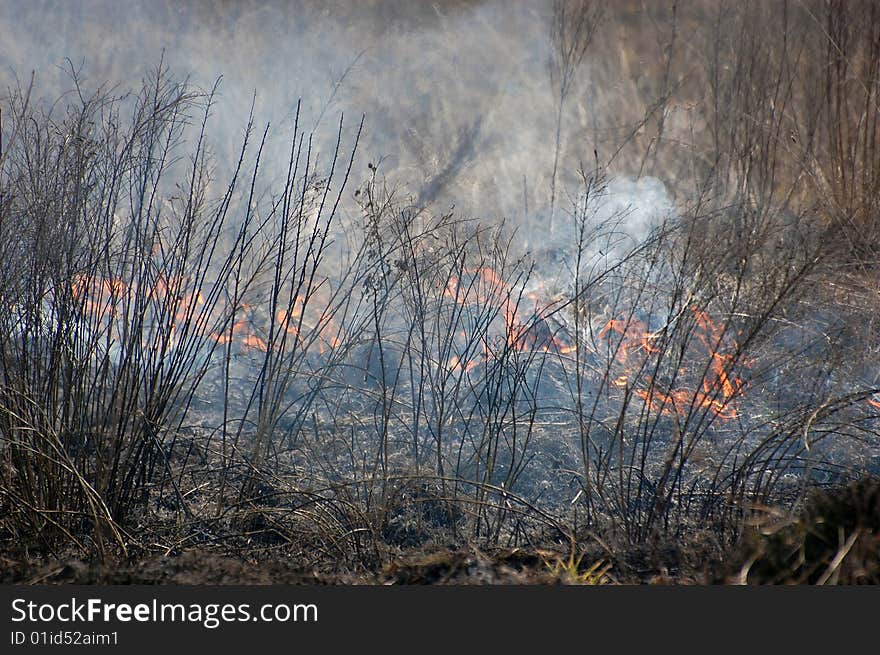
458, 102
460, 114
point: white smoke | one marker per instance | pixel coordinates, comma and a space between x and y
459, 107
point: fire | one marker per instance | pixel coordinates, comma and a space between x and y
242, 331
635, 336
718, 387
176, 304
525, 317
298, 318
458, 366
174, 295
251, 340
98, 296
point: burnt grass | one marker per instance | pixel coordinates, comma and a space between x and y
832, 536
211, 373
835, 538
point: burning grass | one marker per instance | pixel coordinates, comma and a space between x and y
311, 367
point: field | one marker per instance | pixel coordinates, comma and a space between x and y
467, 292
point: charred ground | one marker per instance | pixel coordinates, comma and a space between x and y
647, 354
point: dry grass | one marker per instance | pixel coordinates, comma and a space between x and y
319, 368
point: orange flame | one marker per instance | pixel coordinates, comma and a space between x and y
525, 323
718, 388
97, 295
635, 335
324, 326
242, 332
456, 365
180, 305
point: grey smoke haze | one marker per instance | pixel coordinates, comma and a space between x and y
457, 97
